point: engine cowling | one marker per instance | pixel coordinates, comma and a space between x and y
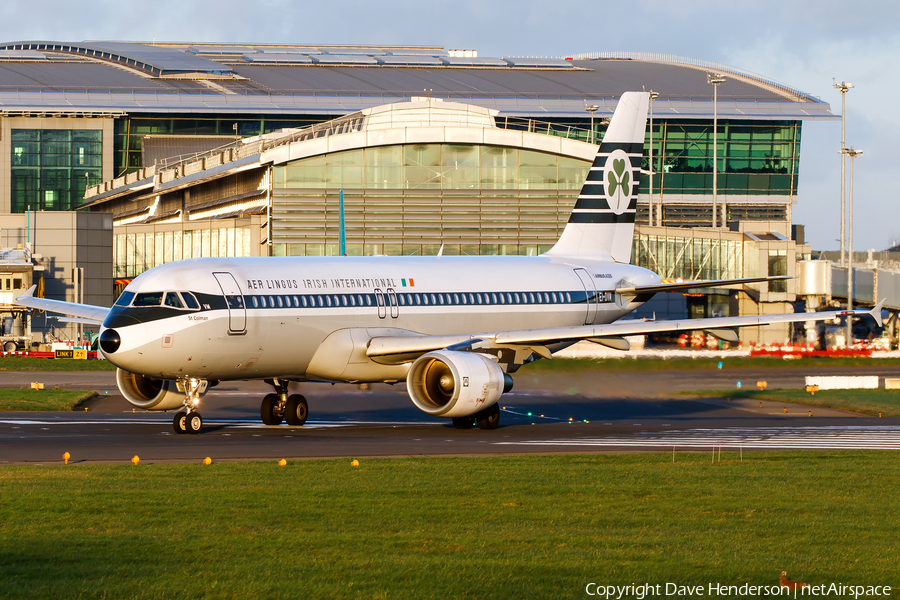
455, 384
148, 393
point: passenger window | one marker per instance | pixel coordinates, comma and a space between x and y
418, 299
494, 298
321, 301
402, 299
353, 300
471, 298
280, 304
344, 300
328, 300
262, 301
255, 302
517, 298
531, 297
568, 297
303, 298
148, 299
433, 301
336, 301
455, 298
425, 299
368, 300
124, 299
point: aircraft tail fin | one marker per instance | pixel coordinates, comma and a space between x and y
602, 222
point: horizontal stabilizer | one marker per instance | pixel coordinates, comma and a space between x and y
685, 285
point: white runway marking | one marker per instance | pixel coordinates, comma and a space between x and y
824, 438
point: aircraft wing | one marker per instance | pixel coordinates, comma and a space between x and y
93, 314
395, 349
683, 285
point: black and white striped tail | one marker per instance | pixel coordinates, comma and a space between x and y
601, 224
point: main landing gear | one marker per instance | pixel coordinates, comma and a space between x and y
281, 406
488, 418
189, 420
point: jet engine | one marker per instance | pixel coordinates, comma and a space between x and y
148, 393
455, 384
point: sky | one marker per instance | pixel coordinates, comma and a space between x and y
804, 44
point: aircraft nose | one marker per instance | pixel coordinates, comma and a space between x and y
110, 341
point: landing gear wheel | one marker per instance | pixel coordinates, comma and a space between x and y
9, 347
463, 422
489, 418
297, 410
194, 422
268, 410
180, 422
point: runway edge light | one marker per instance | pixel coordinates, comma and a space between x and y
67, 456
136, 459
354, 463
207, 461
282, 462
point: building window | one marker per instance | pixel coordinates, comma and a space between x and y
52, 167
778, 266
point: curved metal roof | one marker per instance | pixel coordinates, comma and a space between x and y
259, 79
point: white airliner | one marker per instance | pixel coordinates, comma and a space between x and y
454, 328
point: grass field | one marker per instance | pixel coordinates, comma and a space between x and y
25, 363
14, 399
498, 527
869, 402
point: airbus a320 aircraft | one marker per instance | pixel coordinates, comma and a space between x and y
454, 328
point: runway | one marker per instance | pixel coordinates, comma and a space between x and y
548, 412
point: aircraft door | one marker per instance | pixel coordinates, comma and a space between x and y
591, 295
392, 300
379, 300
234, 299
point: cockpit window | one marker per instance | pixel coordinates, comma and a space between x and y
125, 299
148, 299
190, 300
173, 300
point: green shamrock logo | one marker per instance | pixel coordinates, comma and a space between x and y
619, 179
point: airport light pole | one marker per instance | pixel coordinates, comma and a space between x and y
715, 79
852, 153
653, 96
591, 108
843, 87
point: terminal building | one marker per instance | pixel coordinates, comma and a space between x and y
190, 150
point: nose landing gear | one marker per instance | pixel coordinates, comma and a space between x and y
280, 406
189, 420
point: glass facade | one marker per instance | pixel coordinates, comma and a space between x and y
52, 167
134, 253
129, 131
754, 157
689, 258
412, 199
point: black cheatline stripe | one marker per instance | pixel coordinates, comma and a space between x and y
607, 218
602, 203
595, 203
592, 189
629, 147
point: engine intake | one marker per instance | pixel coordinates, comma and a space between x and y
148, 393
455, 384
